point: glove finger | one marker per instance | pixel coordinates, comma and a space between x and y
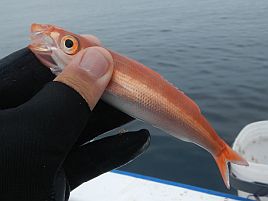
21, 77
53, 119
103, 155
104, 118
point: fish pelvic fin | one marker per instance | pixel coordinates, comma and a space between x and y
228, 155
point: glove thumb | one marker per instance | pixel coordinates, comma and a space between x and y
89, 73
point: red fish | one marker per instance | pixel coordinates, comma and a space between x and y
140, 92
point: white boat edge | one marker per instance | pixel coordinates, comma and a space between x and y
124, 186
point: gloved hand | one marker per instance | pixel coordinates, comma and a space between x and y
45, 129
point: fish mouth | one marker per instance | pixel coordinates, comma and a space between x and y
42, 44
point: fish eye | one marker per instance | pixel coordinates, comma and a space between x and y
69, 44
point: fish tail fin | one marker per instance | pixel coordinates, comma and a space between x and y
228, 155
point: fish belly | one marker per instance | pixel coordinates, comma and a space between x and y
145, 95
141, 101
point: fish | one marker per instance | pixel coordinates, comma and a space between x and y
139, 92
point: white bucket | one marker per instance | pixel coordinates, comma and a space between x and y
252, 144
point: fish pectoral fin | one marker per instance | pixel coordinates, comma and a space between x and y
228, 155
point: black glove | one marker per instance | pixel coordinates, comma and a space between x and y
43, 140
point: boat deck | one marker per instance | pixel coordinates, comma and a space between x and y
125, 186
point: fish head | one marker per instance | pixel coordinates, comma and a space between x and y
54, 46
